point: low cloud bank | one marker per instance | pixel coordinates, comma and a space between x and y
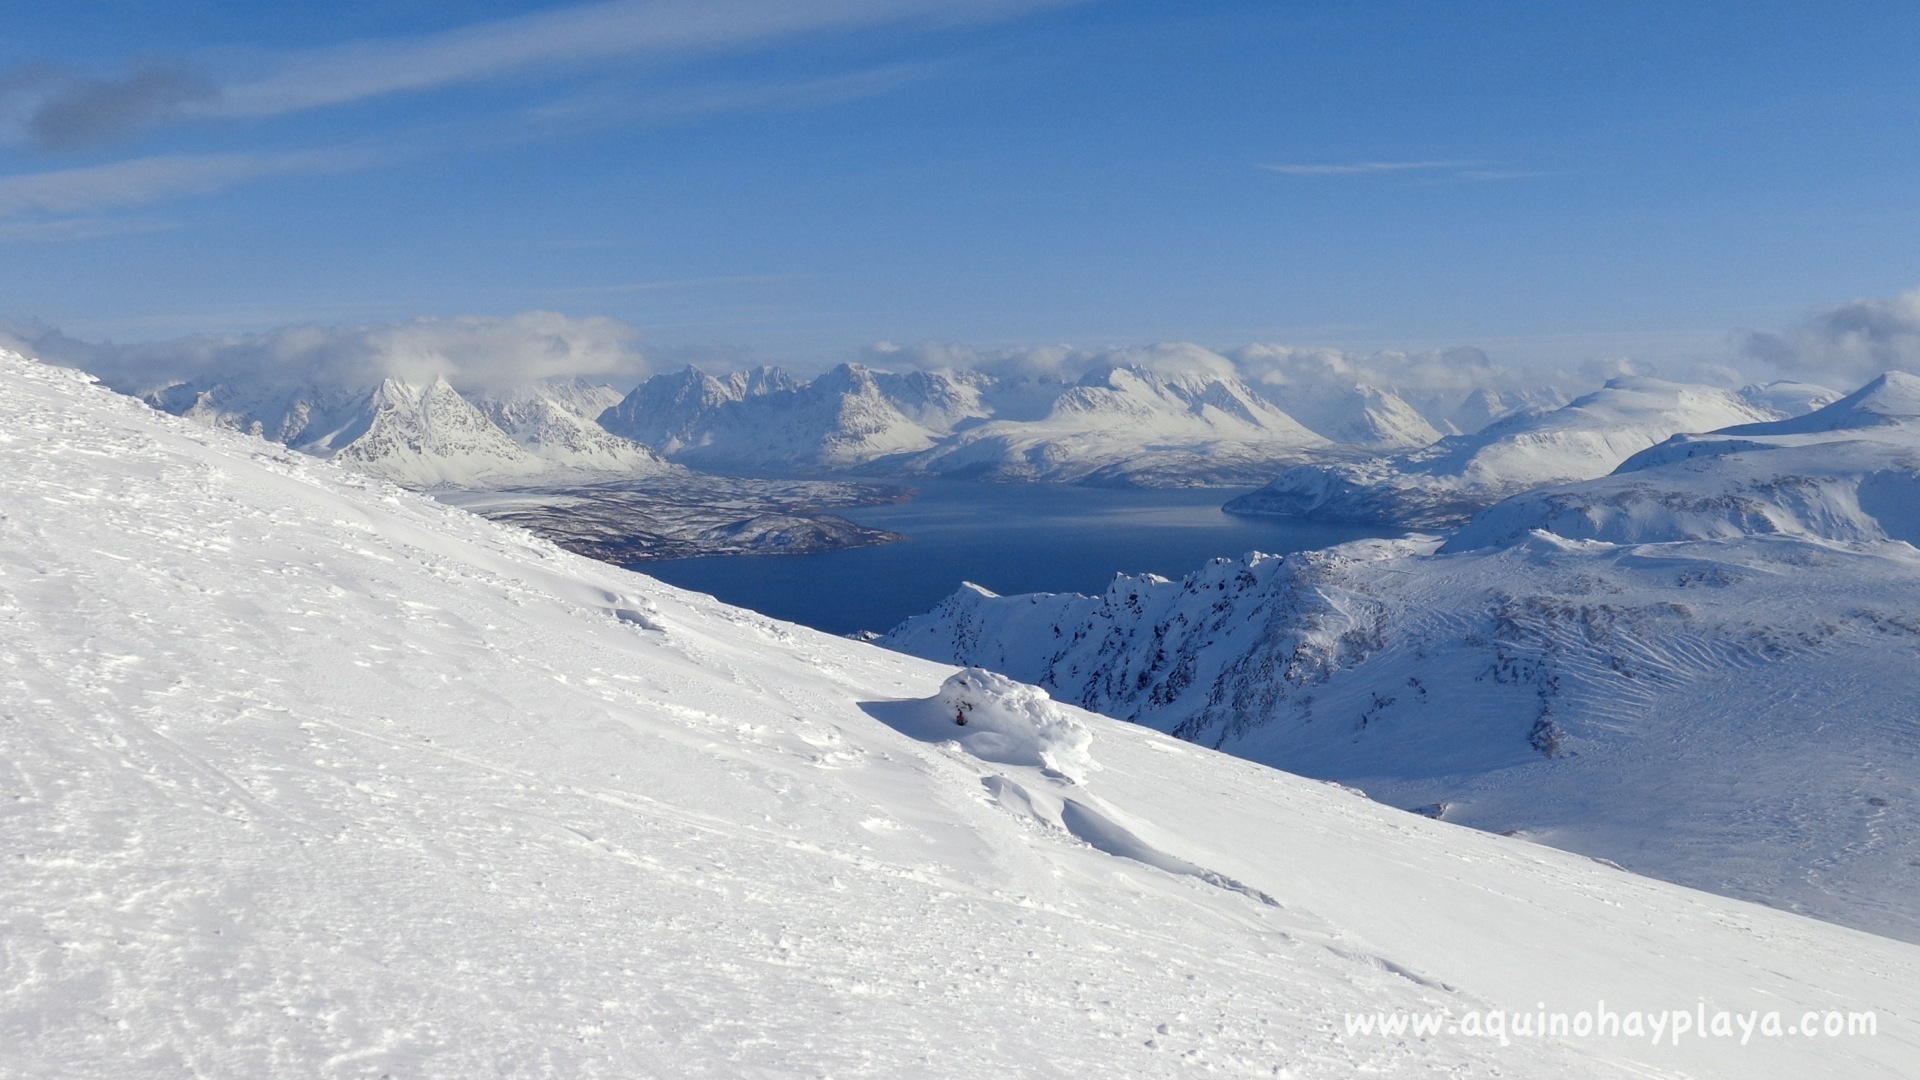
472, 352
1841, 346
1847, 343
1440, 373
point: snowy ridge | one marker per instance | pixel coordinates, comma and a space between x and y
1701, 667
425, 434
848, 416
310, 776
1128, 425
1119, 424
1446, 483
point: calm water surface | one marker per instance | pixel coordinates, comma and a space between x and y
1011, 538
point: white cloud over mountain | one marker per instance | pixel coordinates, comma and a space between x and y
472, 352
1855, 340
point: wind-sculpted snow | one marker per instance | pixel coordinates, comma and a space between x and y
1702, 667
308, 776
1445, 484
996, 719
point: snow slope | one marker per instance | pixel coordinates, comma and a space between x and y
1444, 484
1702, 667
309, 776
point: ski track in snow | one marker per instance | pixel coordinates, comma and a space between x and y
302, 775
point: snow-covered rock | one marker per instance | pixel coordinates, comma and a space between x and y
996, 719
426, 436
1446, 483
672, 411
1701, 667
306, 775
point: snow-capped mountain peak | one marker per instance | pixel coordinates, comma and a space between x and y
1892, 398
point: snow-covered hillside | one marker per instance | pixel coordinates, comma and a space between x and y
1444, 484
1702, 667
1129, 425
307, 776
425, 434
1848, 472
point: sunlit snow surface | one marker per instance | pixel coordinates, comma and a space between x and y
302, 775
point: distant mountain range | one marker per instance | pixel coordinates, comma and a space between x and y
1443, 484
1119, 424
427, 434
1328, 450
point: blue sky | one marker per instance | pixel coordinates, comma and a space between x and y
795, 179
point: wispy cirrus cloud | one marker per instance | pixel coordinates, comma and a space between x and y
71, 229
606, 107
36, 207
59, 111
56, 110
1364, 168
735, 281
137, 181
1461, 171
572, 36
1496, 175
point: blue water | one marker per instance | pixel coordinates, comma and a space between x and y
1011, 538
